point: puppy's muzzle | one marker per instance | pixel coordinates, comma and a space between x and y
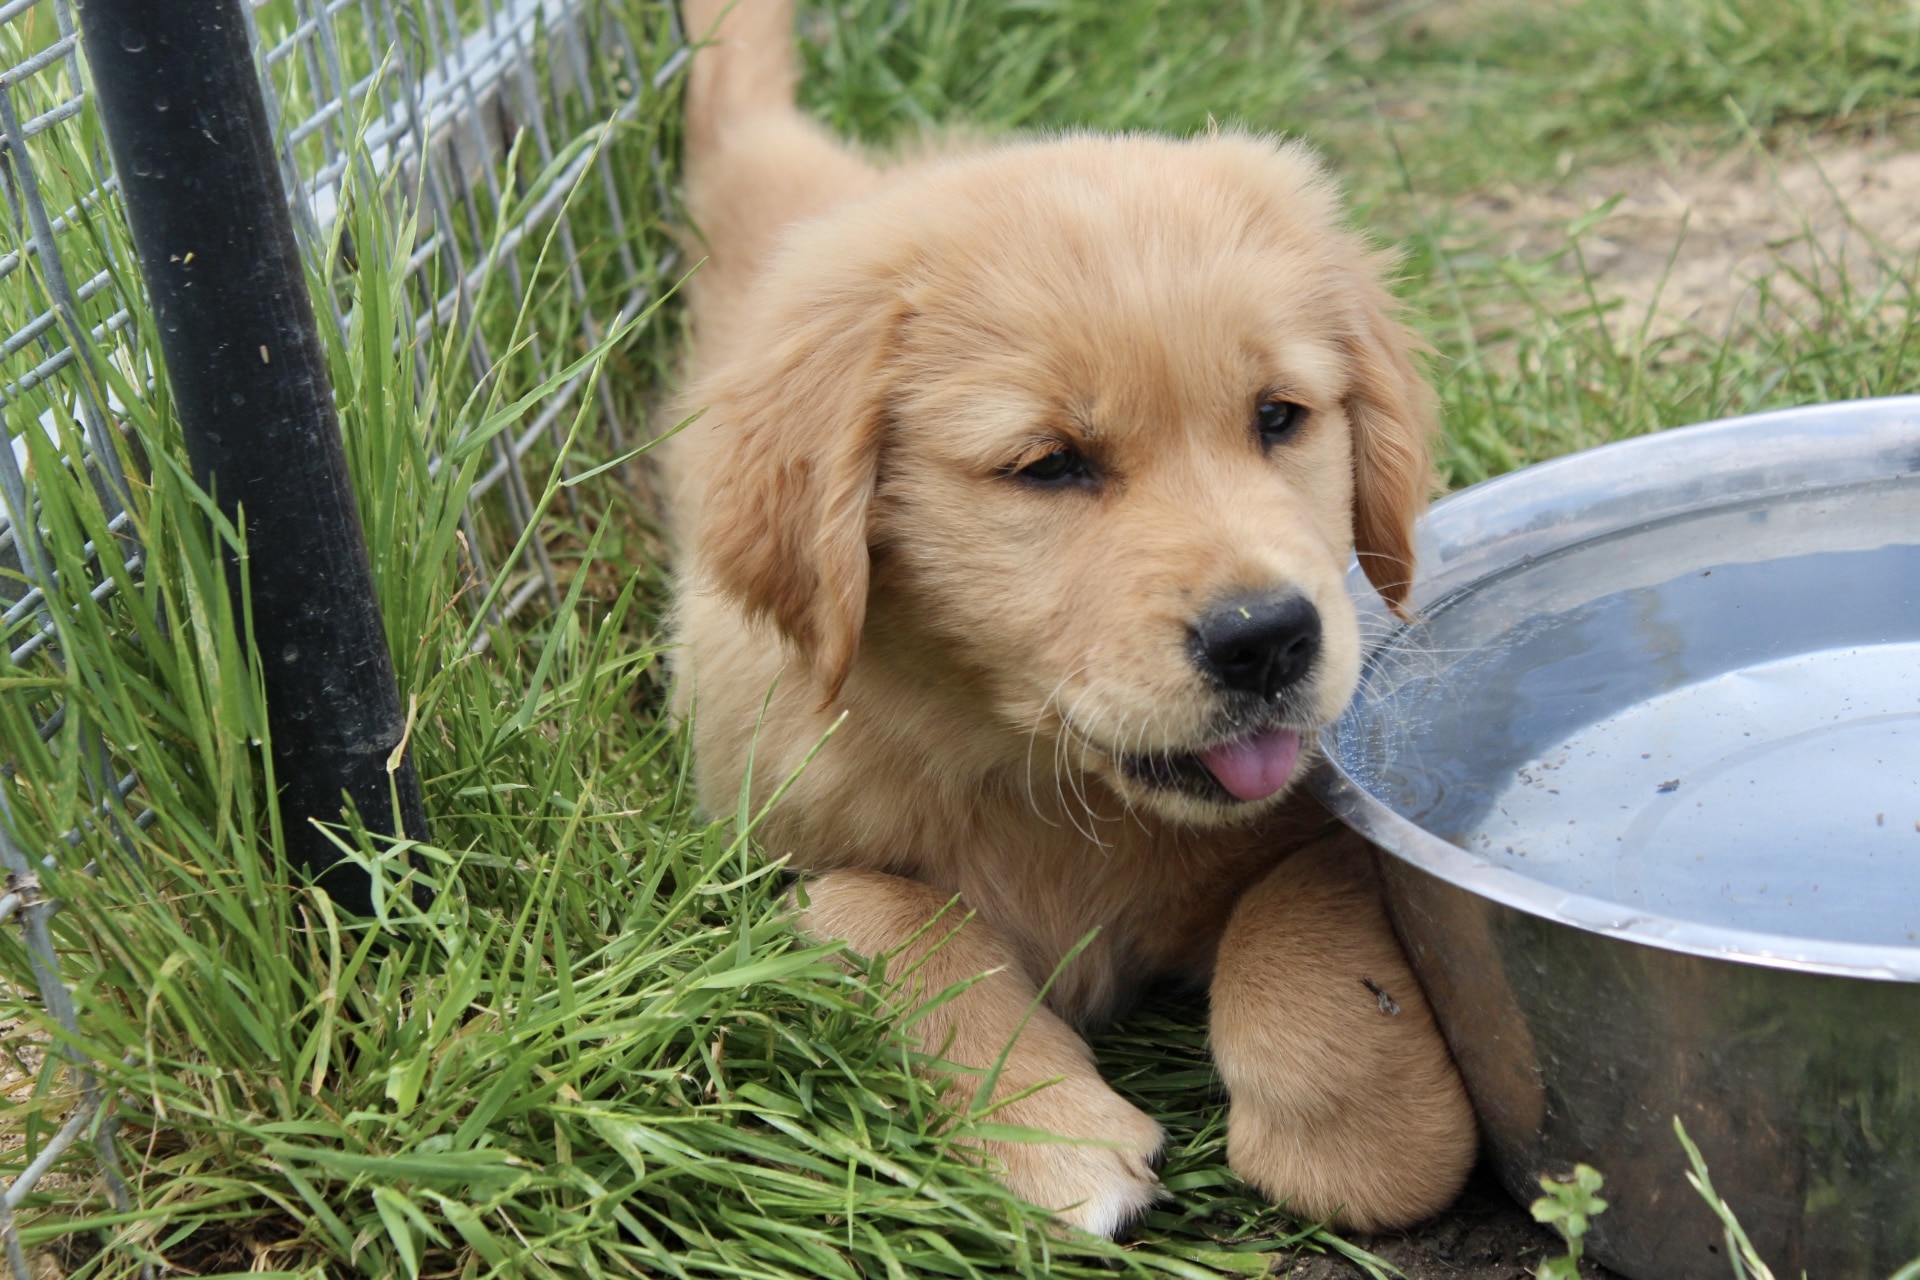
1258, 644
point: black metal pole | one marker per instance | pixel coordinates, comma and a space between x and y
184, 118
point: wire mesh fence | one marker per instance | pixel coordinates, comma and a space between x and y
492, 125
451, 96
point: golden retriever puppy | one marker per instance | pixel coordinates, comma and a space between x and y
1027, 482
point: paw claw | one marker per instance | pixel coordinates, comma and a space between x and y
1100, 1187
1118, 1207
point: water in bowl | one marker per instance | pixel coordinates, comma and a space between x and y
1715, 718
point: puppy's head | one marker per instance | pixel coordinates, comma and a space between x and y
1076, 439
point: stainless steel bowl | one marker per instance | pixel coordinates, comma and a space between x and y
1648, 770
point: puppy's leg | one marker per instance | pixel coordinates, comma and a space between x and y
1100, 1184
1346, 1104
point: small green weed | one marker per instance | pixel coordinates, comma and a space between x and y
1569, 1207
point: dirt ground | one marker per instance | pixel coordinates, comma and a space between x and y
1829, 207
1486, 1236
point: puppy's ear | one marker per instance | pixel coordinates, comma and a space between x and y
1392, 413
797, 425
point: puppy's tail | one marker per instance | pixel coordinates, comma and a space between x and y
746, 67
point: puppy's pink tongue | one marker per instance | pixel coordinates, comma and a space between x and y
1254, 768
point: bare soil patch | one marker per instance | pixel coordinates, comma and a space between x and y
1691, 245
1486, 1236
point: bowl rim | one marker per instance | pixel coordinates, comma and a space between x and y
1483, 530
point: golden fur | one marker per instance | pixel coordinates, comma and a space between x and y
878, 350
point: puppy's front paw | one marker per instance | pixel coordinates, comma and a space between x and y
1360, 1161
1346, 1103
1100, 1180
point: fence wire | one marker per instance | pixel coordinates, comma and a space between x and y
454, 103
438, 91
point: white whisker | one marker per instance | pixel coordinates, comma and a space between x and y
1033, 736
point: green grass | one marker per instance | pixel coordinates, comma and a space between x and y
1492, 89
1530, 88
600, 1052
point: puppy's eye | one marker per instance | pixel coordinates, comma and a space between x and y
1278, 419
1057, 468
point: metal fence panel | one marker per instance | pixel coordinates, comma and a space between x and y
457, 101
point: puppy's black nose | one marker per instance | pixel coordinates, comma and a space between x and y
1258, 644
